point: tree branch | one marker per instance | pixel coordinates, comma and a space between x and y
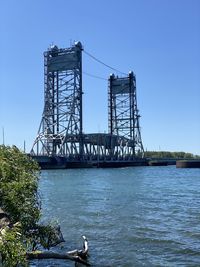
75, 255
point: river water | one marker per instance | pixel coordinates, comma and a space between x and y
137, 216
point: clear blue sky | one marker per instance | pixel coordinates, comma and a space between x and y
158, 39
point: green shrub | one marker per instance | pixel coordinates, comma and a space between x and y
18, 187
19, 199
12, 249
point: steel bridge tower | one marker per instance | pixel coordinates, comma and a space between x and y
60, 131
123, 115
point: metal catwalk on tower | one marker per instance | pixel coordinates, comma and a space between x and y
60, 131
123, 117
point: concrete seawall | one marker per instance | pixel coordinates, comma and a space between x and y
46, 162
188, 164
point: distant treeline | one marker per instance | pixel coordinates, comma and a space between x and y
170, 155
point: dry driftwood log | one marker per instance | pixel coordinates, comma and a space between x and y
79, 256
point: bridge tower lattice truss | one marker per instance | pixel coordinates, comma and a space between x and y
123, 117
60, 131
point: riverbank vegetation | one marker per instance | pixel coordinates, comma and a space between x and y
20, 205
21, 234
170, 155
20, 208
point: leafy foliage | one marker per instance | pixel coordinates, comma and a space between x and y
19, 199
170, 155
18, 187
12, 249
46, 236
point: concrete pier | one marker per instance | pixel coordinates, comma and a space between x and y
188, 164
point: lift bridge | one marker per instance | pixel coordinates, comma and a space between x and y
60, 140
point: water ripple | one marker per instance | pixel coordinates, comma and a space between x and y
145, 216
